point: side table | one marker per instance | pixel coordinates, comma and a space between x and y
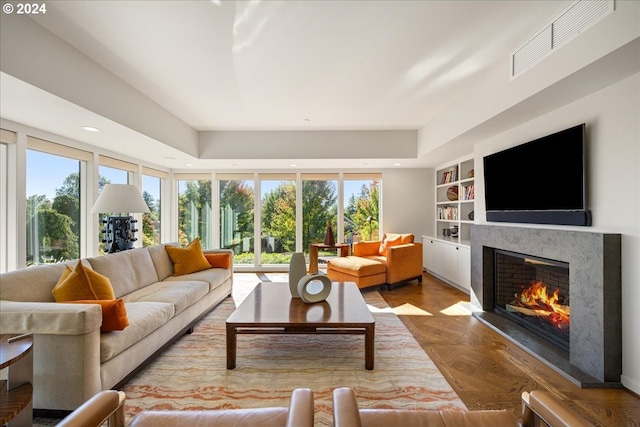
341, 248
16, 389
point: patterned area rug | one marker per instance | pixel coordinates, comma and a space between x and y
192, 373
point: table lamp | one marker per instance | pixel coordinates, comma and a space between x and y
119, 232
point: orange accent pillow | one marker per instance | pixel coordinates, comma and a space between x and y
407, 238
219, 260
114, 313
81, 283
389, 242
188, 260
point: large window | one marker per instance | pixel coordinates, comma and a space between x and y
152, 193
53, 208
361, 207
278, 220
319, 208
194, 210
237, 215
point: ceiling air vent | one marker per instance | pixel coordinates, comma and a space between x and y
575, 19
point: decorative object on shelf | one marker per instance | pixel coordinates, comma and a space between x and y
308, 285
328, 236
453, 231
470, 215
471, 173
297, 270
452, 193
119, 231
446, 232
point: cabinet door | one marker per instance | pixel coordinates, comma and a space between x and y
464, 268
448, 261
429, 254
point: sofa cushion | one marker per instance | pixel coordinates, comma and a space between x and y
188, 260
181, 294
357, 266
81, 283
128, 270
144, 318
161, 260
214, 276
114, 313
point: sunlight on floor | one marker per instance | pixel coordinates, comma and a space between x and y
401, 310
461, 308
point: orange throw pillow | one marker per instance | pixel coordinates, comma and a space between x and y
114, 314
219, 260
389, 242
81, 283
188, 260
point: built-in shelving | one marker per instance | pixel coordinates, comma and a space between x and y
455, 195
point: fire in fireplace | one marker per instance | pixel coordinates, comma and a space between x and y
534, 292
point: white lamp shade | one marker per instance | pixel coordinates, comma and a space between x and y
120, 198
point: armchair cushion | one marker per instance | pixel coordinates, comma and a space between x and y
388, 242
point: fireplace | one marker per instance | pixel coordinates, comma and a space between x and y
585, 270
534, 293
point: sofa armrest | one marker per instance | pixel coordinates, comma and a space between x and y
301, 409
49, 318
404, 262
543, 405
105, 406
366, 248
345, 408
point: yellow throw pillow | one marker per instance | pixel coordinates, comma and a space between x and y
219, 260
188, 260
114, 314
81, 283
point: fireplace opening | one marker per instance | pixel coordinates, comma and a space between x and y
534, 293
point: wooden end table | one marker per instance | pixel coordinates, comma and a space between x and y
341, 248
16, 391
270, 309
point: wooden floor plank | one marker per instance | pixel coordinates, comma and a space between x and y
487, 370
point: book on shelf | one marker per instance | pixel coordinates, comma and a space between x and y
468, 192
449, 176
447, 213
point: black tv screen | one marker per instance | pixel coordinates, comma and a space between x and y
542, 181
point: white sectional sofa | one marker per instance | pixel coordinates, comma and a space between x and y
73, 360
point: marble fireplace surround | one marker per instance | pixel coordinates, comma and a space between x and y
595, 356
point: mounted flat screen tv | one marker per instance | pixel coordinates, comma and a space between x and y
540, 182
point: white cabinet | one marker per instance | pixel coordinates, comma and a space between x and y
429, 251
449, 261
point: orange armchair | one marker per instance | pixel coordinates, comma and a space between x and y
395, 259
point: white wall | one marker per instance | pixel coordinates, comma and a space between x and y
612, 116
407, 201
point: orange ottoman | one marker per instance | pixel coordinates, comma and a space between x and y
364, 272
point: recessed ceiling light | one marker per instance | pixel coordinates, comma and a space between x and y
234, 164
90, 129
397, 164
188, 165
293, 165
307, 120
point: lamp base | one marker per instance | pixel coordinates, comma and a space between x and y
119, 233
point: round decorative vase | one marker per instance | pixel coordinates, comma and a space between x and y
314, 288
452, 193
297, 270
470, 216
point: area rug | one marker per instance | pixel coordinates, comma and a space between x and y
192, 374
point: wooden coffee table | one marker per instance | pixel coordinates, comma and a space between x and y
270, 309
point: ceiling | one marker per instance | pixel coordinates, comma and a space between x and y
275, 65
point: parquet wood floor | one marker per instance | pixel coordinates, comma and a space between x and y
487, 370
